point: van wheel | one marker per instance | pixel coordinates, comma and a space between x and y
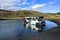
40, 30
24, 25
43, 24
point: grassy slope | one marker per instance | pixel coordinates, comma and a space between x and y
4, 14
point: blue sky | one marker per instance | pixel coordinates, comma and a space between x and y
38, 5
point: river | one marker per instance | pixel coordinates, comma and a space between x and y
14, 29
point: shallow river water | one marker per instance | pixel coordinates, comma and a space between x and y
14, 29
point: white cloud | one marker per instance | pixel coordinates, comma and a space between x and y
38, 6
5, 4
52, 3
14, 4
34, 7
24, 8
20, 2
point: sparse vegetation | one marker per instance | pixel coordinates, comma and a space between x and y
4, 14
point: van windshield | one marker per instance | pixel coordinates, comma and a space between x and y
28, 18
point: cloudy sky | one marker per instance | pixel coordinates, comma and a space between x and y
38, 5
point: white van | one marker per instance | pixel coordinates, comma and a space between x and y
34, 23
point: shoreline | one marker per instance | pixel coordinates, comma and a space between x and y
56, 21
